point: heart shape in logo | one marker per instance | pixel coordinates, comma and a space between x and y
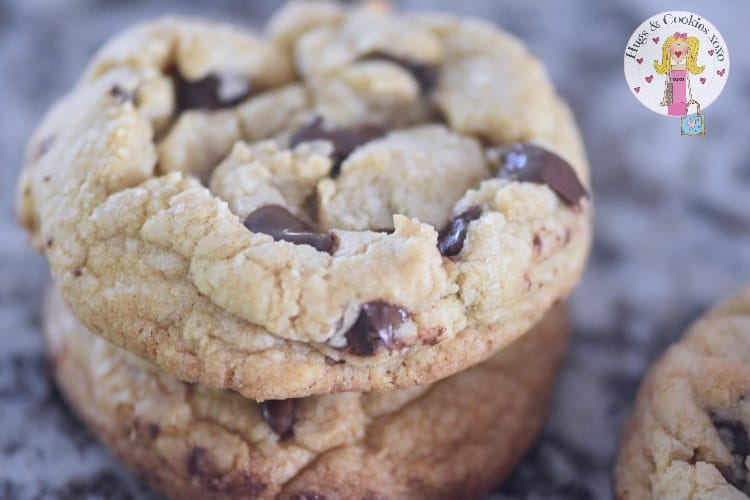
678, 53
655, 39
711, 52
639, 60
637, 89
691, 123
703, 80
721, 72
649, 78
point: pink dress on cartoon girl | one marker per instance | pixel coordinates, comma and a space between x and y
678, 77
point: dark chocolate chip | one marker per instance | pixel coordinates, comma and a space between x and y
310, 206
153, 430
281, 224
426, 75
344, 140
537, 243
202, 94
738, 441
77, 272
374, 325
279, 415
451, 238
527, 162
194, 459
121, 94
734, 435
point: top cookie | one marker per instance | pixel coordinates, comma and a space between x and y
688, 436
358, 200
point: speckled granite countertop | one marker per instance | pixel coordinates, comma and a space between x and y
672, 230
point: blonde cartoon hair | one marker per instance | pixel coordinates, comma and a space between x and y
691, 60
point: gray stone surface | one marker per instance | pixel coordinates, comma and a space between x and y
672, 230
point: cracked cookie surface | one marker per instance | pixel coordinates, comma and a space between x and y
688, 435
231, 206
455, 438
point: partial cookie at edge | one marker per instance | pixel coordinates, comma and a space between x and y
688, 434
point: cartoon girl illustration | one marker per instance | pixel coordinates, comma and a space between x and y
679, 56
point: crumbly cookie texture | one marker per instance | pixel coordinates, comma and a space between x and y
193, 442
338, 197
688, 435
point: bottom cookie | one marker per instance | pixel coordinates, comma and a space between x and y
456, 438
688, 435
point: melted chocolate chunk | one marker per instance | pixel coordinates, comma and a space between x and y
526, 162
279, 415
281, 224
426, 75
734, 435
203, 94
451, 238
344, 140
374, 325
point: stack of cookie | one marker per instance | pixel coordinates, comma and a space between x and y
269, 249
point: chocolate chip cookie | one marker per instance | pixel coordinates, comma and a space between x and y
357, 199
456, 438
688, 435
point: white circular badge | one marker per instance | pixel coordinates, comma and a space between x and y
675, 62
